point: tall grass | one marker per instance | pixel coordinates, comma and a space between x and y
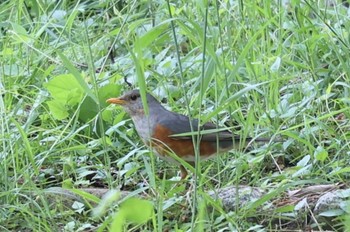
262, 68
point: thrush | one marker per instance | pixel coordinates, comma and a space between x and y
161, 131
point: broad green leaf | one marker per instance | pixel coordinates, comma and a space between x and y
117, 223
65, 89
320, 154
284, 209
136, 210
88, 109
68, 64
332, 213
107, 115
67, 183
133, 210
108, 91
58, 110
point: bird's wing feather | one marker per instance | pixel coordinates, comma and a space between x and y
180, 124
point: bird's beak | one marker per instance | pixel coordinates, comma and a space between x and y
117, 101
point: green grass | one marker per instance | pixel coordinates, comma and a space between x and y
261, 67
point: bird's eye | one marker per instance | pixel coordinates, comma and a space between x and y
133, 97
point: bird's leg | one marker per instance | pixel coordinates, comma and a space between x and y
183, 172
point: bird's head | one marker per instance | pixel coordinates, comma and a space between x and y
132, 102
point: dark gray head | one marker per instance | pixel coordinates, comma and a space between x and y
132, 103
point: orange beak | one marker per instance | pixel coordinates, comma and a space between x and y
117, 101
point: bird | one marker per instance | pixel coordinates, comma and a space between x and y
161, 131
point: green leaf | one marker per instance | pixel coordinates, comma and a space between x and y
320, 154
76, 74
108, 91
136, 210
58, 110
107, 115
276, 65
117, 223
286, 208
67, 183
332, 213
304, 161
65, 89
133, 210
88, 109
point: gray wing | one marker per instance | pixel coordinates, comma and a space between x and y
180, 124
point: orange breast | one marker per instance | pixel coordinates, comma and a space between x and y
183, 148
